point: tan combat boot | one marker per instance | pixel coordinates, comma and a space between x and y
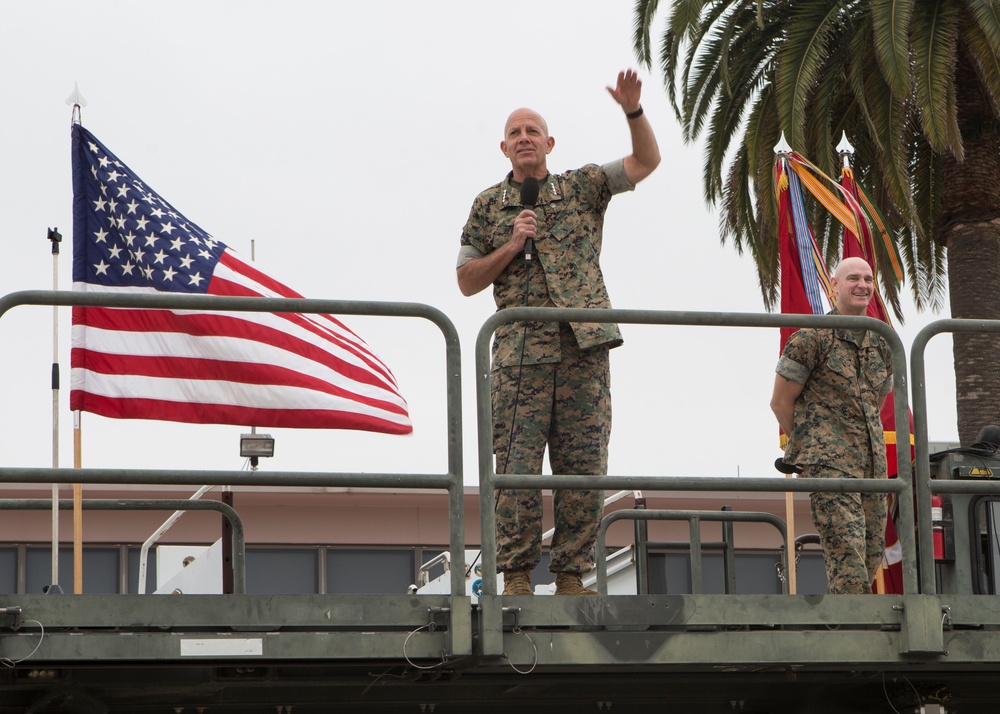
517, 582
571, 584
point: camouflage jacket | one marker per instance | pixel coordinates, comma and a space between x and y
566, 272
837, 421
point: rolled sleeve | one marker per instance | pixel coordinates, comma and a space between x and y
792, 370
617, 178
467, 253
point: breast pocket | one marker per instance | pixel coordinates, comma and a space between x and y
843, 371
875, 369
554, 224
502, 230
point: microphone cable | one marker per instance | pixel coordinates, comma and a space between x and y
529, 194
520, 368
517, 394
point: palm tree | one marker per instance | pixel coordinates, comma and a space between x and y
915, 84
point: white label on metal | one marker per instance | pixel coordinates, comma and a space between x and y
222, 647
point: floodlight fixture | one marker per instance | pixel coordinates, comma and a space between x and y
256, 445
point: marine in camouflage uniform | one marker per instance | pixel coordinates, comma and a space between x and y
842, 379
564, 397
557, 373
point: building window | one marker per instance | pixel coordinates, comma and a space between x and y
756, 573
100, 569
282, 571
388, 572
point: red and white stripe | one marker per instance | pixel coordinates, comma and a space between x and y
246, 368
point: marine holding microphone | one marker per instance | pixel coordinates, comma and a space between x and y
536, 237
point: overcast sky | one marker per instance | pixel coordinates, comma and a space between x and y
347, 141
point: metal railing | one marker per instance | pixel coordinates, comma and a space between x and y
918, 575
238, 552
490, 480
451, 481
694, 519
924, 487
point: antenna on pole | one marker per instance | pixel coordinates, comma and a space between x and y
56, 238
76, 101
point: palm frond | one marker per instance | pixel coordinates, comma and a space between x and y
891, 128
709, 68
891, 29
927, 190
687, 31
935, 54
986, 16
727, 119
985, 59
642, 25
739, 71
750, 209
858, 72
800, 61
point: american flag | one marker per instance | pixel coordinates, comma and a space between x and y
244, 368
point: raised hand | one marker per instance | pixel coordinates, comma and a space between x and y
627, 90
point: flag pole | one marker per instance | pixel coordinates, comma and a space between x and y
77, 507
55, 238
790, 548
77, 101
781, 150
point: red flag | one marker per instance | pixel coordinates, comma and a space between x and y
793, 291
804, 277
803, 272
260, 369
861, 246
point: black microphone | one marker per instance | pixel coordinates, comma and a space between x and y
529, 194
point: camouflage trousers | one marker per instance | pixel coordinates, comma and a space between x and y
567, 407
851, 530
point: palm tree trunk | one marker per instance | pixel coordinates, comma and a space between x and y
970, 228
974, 277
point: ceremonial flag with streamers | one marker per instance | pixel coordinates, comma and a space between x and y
197, 366
805, 282
803, 272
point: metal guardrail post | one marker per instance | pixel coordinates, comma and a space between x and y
641, 552
697, 561
729, 553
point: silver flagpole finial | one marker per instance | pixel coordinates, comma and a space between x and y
782, 146
845, 151
844, 147
76, 101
